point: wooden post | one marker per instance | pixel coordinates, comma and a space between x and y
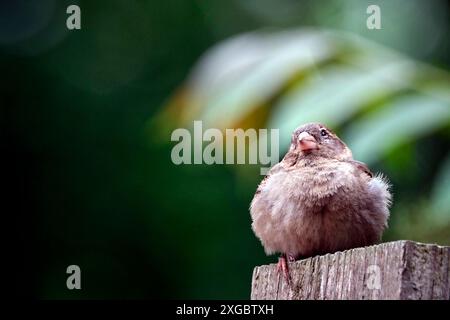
394, 270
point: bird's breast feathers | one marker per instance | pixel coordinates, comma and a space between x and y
311, 185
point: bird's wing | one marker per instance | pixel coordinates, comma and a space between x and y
361, 166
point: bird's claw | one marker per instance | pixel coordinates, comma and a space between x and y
283, 267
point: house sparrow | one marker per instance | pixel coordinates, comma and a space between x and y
318, 200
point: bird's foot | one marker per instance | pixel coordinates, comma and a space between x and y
291, 258
283, 266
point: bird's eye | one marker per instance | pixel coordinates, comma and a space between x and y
323, 133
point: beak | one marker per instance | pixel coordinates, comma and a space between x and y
307, 142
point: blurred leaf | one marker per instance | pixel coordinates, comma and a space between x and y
401, 120
441, 194
337, 95
243, 73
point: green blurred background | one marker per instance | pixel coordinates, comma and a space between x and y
87, 117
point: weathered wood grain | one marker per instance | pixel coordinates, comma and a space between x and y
395, 270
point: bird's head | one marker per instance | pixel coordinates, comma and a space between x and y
314, 139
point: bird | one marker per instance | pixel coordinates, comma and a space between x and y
318, 200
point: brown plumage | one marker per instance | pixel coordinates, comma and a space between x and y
318, 199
